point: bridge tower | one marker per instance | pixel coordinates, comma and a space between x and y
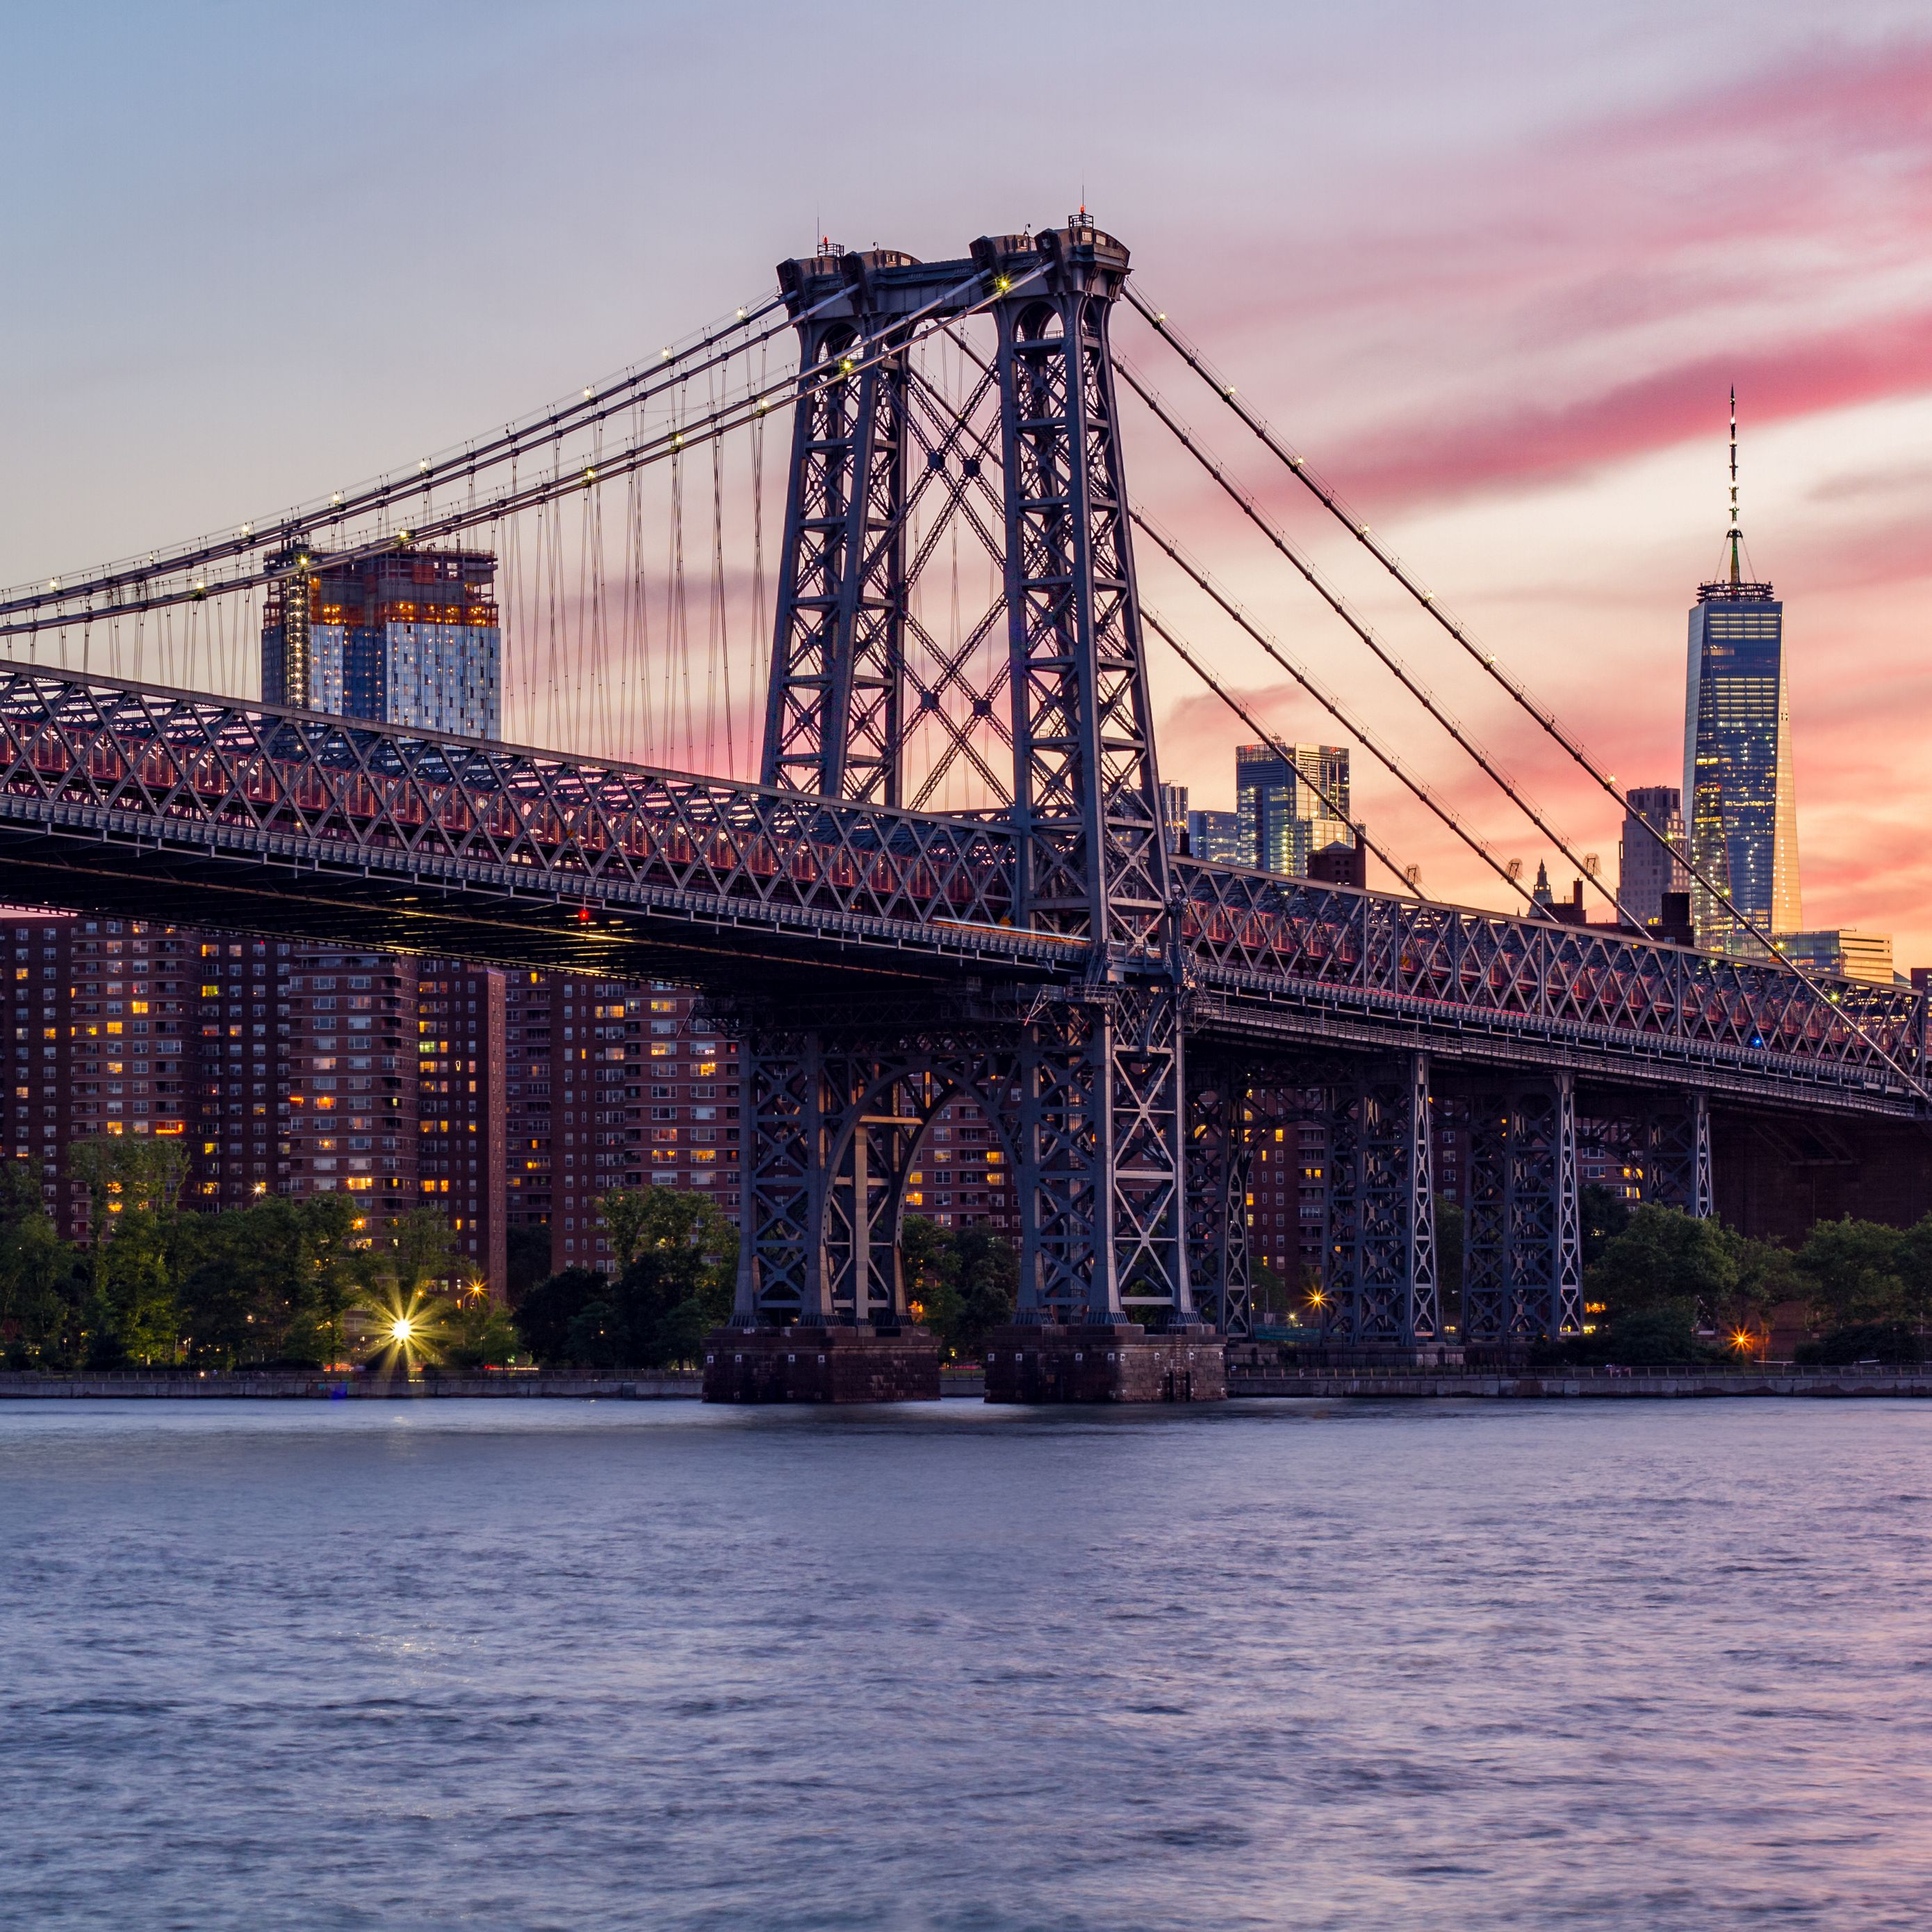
1091, 1097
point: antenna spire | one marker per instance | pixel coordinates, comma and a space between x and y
1735, 534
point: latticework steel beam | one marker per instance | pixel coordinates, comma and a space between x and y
107, 785
1381, 1290
1221, 1131
1522, 1253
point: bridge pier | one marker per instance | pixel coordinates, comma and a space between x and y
1380, 1298
1522, 1253
1102, 1172
1220, 1156
1101, 1362
837, 1363
830, 1128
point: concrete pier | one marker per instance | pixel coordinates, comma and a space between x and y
829, 1364
1124, 1362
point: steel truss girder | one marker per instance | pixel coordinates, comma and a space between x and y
1382, 1288
1523, 1254
103, 762
181, 770
1253, 934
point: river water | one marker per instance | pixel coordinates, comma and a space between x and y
586, 1665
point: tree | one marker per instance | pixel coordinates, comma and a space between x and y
477, 1334
678, 1284
221, 1296
628, 1220
1856, 1273
1451, 1235
963, 1282
1662, 1256
133, 1186
1603, 1214
38, 1314
527, 1257
545, 1316
1659, 1332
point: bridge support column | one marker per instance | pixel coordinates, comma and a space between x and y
1380, 1297
821, 1312
1673, 1144
1522, 1256
1220, 1155
832, 703
1102, 1176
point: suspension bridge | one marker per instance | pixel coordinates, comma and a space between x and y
949, 875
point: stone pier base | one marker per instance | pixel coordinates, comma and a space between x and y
836, 1364
1123, 1364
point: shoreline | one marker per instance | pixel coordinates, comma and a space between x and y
1375, 1384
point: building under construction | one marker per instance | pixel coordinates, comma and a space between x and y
408, 637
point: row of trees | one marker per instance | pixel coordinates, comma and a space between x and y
284, 1280
306, 1281
1663, 1286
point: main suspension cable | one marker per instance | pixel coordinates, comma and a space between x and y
595, 405
1281, 750
1341, 608
1546, 719
1383, 756
900, 334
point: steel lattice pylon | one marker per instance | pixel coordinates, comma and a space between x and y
1523, 1252
1221, 1129
1099, 1158
831, 719
1382, 1286
834, 1112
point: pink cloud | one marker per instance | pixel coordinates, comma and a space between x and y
1514, 446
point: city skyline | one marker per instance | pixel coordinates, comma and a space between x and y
1484, 402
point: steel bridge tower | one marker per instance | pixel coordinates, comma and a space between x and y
1085, 1084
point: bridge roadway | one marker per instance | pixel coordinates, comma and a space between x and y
135, 800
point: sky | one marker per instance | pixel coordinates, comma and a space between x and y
1492, 269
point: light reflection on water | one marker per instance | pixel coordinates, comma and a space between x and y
512, 1665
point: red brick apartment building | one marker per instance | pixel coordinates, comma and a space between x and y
499, 1098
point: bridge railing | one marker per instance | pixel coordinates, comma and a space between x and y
189, 763
1255, 927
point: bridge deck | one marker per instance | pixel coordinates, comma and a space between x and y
125, 797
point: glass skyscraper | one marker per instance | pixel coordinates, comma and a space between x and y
1281, 804
1217, 835
407, 637
1743, 813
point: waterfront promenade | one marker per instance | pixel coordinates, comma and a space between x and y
1857, 1380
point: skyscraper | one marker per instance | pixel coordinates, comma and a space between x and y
1174, 815
407, 637
1737, 756
1284, 804
1217, 835
1646, 870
